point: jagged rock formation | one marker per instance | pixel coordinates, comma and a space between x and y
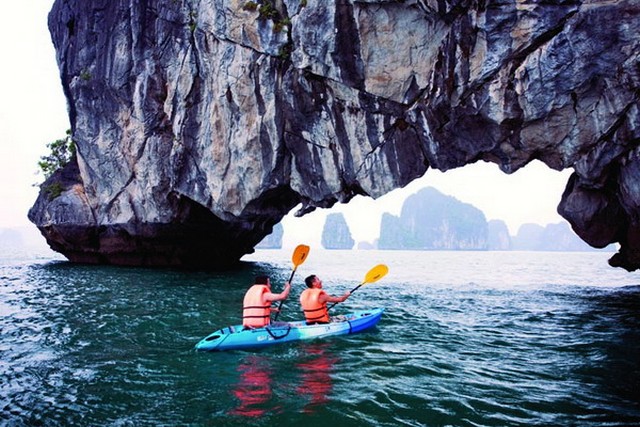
528, 237
498, 234
336, 233
199, 125
430, 220
392, 234
552, 237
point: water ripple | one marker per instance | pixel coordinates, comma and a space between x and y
516, 344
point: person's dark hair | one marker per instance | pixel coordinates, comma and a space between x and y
309, 280
262, 280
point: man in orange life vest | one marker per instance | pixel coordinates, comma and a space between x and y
256, 307
314, 301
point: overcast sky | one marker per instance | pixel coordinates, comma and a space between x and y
33, 110
530, 195
34, 113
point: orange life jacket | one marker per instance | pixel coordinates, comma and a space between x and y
314, 311
255, 312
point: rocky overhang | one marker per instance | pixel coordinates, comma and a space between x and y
200, 124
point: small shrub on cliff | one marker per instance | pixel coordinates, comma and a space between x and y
62, 151
282, 24
285, 52
193, 18
268, 11
250, 6
53, 190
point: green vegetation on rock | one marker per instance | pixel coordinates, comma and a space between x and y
62, 151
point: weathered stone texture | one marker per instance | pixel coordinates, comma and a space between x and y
199, 124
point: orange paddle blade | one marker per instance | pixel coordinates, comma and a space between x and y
300, 255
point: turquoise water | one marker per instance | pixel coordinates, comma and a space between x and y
467, 339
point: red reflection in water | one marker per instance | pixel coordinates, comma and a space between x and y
254, 387
316, 375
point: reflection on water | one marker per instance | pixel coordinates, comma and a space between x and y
258, 390
467, 339
315, 375
254, 388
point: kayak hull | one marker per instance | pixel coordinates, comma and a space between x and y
235, 338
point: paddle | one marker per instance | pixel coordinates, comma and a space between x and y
299, 256
373, 275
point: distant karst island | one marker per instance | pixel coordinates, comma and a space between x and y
431, 220
336, 233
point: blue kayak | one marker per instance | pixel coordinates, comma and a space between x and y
235, 337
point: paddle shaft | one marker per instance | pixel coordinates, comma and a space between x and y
352, 291
282, 301
298, 257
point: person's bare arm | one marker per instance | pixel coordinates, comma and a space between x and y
328, 298
270, 296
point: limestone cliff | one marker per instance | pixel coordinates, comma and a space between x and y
199, 124
498, 236
336, 233
430, 220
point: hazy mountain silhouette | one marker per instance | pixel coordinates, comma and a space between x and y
430, 220
336, 233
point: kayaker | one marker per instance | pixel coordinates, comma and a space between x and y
314, 301
256, 307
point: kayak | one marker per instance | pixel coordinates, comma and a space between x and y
236, 337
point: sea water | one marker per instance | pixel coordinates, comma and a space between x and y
467, 339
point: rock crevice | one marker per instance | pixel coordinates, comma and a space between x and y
200, 124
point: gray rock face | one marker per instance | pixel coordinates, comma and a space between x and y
430, 220
559, 237
200, 124
528, 237
552, 237
336, 233
498, 236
